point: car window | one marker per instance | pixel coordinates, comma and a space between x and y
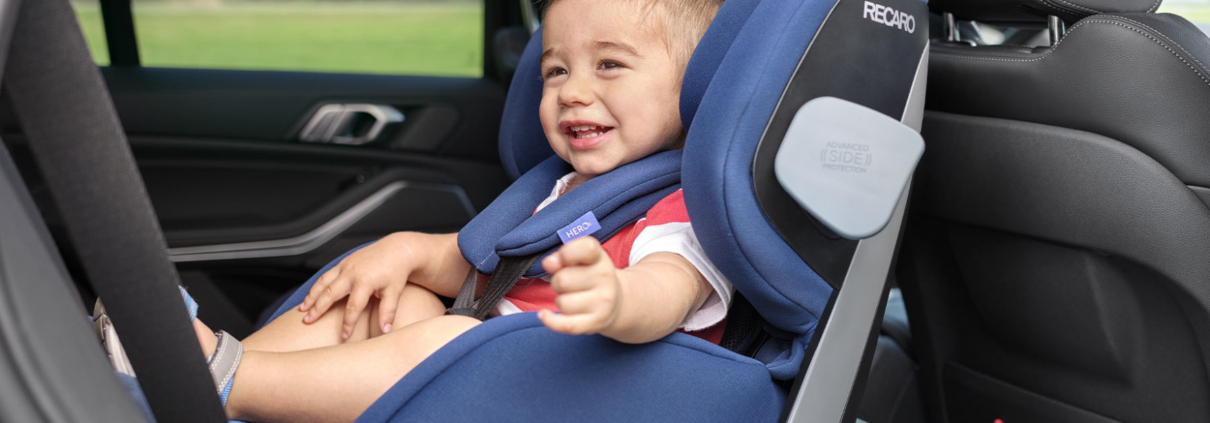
415, 37
1196, 11
89, 13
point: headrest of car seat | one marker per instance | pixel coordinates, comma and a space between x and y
1017, 11
710, 53
523, 144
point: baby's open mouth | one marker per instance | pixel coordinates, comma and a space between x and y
587, 131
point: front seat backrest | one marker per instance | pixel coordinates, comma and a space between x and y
1055, 264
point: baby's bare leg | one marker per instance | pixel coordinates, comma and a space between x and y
335, 383
289, 333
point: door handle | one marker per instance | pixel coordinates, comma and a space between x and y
352, 124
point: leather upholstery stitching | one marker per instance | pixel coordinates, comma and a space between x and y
1199, 73
1161, 34
1078, 7
1153, 7
1001, 59
1060, 9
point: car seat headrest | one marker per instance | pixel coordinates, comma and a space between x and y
523, 145
710, 52
1019, 11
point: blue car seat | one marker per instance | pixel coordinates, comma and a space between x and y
820, 293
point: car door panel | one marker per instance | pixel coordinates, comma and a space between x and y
219, 153
273, 106
245, 204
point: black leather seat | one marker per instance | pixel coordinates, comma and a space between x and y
892, 393
1056, 260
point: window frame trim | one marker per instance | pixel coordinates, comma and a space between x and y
117, 18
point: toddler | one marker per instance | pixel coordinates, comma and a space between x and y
611, 73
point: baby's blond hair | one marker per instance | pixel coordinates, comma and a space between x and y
681, 23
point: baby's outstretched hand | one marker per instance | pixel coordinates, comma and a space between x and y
588, 287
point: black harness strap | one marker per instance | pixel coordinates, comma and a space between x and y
508, 272
78, 143
464, 304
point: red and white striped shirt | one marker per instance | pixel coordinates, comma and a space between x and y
665, 228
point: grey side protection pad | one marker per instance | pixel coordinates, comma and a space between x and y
847, 164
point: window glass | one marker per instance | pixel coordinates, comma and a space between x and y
89, 14
1196, 11
418, 37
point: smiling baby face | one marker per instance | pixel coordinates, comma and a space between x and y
612, 82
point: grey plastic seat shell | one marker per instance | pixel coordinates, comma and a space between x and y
826, 163
860, 301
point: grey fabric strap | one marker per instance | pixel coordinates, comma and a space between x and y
227, 355
73, 131
508, 271
464, 304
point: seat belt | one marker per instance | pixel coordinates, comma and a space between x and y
74, 134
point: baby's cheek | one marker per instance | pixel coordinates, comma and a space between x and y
548, 115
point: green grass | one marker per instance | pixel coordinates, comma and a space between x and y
94, 32
1196, 12
414, 38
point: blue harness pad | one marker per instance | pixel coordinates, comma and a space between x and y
509, 227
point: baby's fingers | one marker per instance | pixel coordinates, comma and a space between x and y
571, 324
585, 251
576, 279
386, 309
357, 302
332, 293
318, 287
552, 263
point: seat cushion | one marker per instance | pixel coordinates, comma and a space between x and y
512, 368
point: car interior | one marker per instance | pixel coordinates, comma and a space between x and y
1045, 261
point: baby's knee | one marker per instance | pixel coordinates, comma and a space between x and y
455, 324
443, 329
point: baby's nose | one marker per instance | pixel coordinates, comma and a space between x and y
576, 91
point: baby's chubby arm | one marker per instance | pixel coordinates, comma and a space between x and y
382, 269
641, 303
